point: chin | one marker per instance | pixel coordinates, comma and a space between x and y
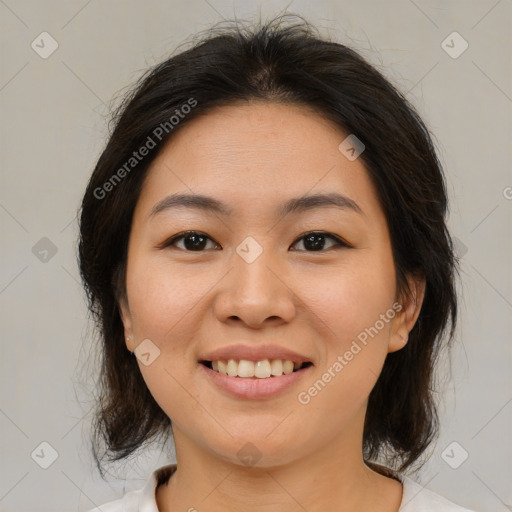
256, 451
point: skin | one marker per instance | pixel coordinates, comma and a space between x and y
253, 157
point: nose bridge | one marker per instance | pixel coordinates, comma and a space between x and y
256, 290
255, 267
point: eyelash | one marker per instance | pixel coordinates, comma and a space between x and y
184, 234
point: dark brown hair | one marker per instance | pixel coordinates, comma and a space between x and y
283, 60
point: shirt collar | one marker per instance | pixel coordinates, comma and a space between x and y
147, 499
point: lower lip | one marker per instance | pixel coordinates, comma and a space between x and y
254, 388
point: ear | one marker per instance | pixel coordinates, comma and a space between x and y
406, 317
126, 317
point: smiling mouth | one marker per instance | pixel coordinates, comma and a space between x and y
262, 369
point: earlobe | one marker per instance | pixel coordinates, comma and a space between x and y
130, 344
405, 319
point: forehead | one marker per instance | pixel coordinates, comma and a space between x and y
255, 155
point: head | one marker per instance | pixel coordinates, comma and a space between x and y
254, 119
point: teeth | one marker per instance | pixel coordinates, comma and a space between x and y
261, 369
232, 368
288, 367
245, 368
277, 367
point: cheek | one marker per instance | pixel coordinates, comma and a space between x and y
160, 297
159, 303
355, 307
351, 298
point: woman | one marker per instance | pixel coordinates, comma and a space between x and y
264, 248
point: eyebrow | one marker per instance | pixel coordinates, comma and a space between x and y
294, 205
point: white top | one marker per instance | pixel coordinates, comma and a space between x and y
415, 498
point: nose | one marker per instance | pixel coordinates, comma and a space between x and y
256, 293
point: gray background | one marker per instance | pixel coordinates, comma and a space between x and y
53, 128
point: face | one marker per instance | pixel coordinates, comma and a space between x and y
317, 280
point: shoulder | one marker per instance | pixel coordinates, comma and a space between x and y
141, 500
128, 503
417, 498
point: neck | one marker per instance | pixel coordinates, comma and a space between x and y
334, 478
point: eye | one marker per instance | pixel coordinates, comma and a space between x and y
193, 241
314, 241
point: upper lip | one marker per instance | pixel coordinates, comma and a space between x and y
253, 353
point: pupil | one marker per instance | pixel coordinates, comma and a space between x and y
310, 244
199, 242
